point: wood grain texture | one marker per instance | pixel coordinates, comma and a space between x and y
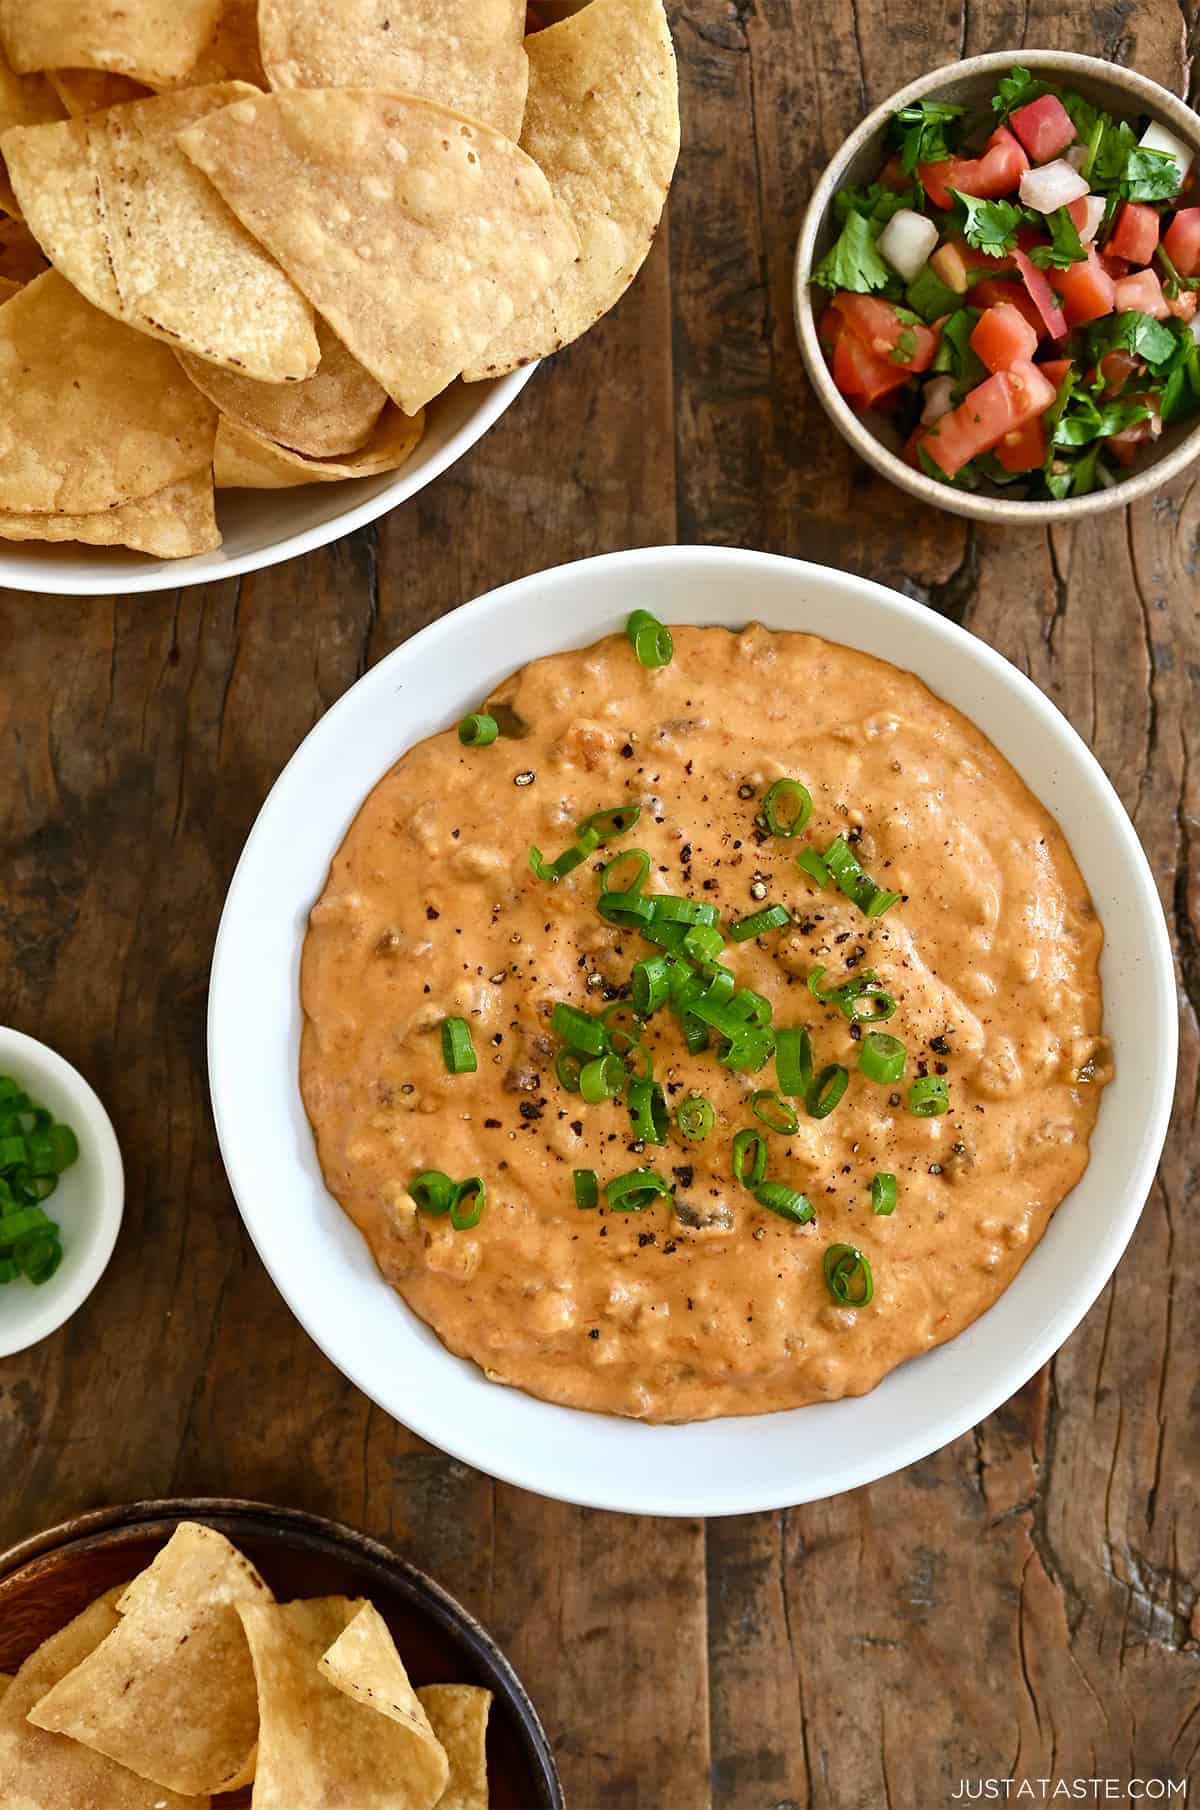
1024, 1603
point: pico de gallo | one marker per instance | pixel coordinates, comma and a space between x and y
1019, 292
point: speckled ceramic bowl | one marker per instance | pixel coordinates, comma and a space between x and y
1119, 91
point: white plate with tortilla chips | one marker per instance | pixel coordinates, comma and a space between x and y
267, 271
151, 1655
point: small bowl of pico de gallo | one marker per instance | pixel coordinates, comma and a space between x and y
997, 282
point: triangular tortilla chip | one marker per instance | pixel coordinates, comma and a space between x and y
232, 53
5, 1681
153, 41
319, 1748
246, 461
170, 1693
465, 54
419, 235
364, 1664
25, 100
90, 90
91, 413
41, 1771
123, 214
7, 290
603, 123
172, 524
21, 257
459, 1716
330, 413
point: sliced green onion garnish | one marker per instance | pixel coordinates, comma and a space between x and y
579, 1030
626, 872
587, 1188
665, 934
695, 1033
789, 1203
12, 1152
848, 1276
747, 1051
929, 1097
848, 874
432, 1191
675, 909
813, 866
775, 1113
631, 910
695, 1118
793, 1061
787, 807
624, 1029
466, 1208
568, 1066
882, 901
863, 999
478, 730
566, 863
650, 984
14, 1226
771, 917
604, 825
652, 642
39, 1256
703, 943
881, 1057
883, 1193
637, 1189
648, 1112
603, 1078
458, 1052
749, 1158
825, 1090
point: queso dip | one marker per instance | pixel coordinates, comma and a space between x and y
906, 1042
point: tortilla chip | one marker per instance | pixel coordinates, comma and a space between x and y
21, 257
333, 411
25, 100
364, 1664
40, 1771
419, 235
7, 290
464, 54
90, 90
170, 1693
246, 461
172, 524
124, 215
5, 1681
603, 123
151, 40
319, 1747
91, 413
232, 53
459, 1715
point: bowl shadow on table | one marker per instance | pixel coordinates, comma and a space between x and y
48, 1580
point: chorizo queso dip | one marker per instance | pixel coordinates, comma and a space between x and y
704, 1028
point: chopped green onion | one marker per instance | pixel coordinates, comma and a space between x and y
794, 797
813, 866
650, 983
674, 909
825, 1090
703, 943
18, 1225
458, 1052
771, 917
648, 1112
793, 1061
432, 1191
12, 1152
883, 1193
882, 1057
579, 1030
624, 1029
652, 642
747, 1051
775, 1113
855, 882
789, 1203
850, 995
749, 1007
478, 730
602, 1079
665, 934
848, 1276
631, 1192
635, 879
604, 825
628, 909
568, 1066
882, 901
695, 1034
474, 1192
52, 1150
695, 1118
929, 1097
749, 1158
568, 861
587, 1188
39, 1256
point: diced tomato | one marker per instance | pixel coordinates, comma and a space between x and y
1002, 337
910, 454
1181, 241
1183, 306
993, 294
860, 375
1044, 127
830, 328
1055, 369
1024, 448
1135, 236
1116, 267
1000, 405
880, 328
1141, 292
892, 175
1041, 295
996, 173
1086, 290
1116, 368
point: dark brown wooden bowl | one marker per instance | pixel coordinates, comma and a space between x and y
53, 1576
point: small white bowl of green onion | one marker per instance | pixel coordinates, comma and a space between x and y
62, 1191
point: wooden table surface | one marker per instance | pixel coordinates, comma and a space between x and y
1023, 1604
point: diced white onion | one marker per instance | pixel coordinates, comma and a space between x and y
939, 399
906, 242
1074, 155
1194, 328
1157, 138
1095, 213
1052, 185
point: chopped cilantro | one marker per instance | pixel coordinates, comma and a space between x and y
1016, 89
954, 356
904, 348
991, 226
1109, 146
929, 297
1150, 176
1160, 345
1174, 282
852, 262
1085, 419
1065, 248
876, 203
920, 132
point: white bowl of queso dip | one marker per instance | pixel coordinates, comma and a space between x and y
564, 1364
